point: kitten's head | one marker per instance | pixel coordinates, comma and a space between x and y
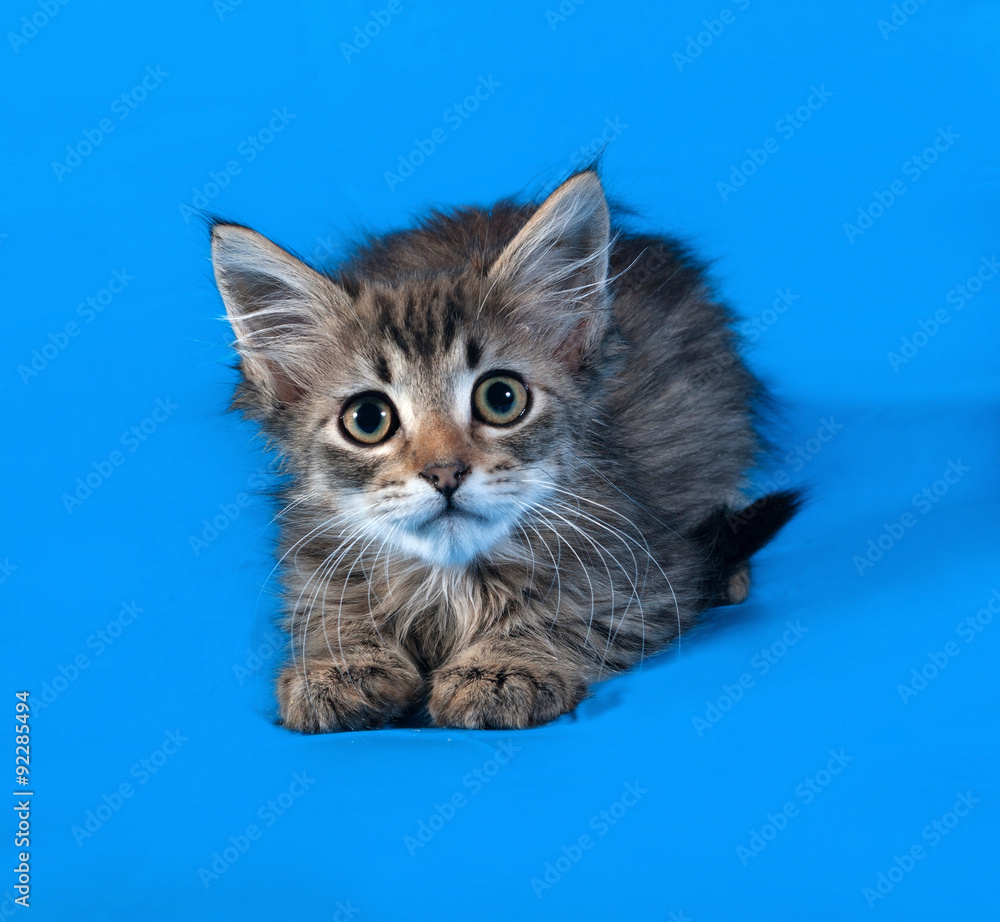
428, 413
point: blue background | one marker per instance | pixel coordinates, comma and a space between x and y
185, 664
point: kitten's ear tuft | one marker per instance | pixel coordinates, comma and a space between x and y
277, 306
557, 267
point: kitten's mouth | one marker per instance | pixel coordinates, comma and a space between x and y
450, 535
449, 513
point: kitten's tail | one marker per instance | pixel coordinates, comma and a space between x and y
730, 538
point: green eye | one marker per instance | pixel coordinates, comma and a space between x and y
499, 399
369, 419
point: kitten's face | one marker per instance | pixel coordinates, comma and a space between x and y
430, 439
430, 415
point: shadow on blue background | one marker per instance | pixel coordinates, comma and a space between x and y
757, 772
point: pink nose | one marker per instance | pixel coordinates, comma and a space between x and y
446, 477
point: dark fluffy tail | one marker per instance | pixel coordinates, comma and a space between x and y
730, 538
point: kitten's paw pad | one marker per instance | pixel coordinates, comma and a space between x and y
363, 692
495, 696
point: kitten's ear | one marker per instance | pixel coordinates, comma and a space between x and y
276, 305
557, 266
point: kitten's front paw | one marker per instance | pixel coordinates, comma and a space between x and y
366, 690
490, 689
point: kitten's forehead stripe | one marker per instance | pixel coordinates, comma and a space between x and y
408, 312
452, 318
421, 323
472, 353
382, 369
387, 320
430, 331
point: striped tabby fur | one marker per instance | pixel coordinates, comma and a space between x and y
493, 572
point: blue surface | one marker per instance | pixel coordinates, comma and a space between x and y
741, 813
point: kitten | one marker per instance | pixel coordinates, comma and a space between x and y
517, 438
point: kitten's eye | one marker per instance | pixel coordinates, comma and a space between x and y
500, 398
369, 419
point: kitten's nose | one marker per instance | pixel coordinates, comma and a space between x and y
446, 477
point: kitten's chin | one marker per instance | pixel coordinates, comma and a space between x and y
451, 540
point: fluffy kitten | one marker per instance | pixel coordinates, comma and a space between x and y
516, 436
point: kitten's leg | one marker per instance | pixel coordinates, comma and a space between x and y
504, 683
366, 686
